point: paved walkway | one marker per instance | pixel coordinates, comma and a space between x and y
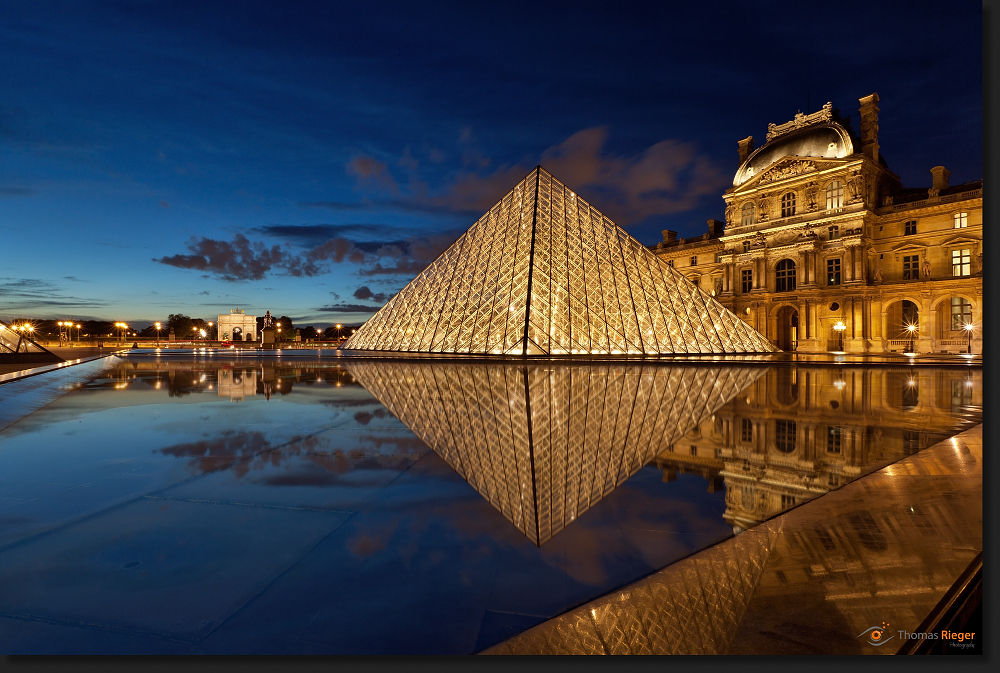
879, 552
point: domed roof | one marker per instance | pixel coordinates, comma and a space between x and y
828, 140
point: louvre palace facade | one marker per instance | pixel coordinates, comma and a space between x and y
823, 249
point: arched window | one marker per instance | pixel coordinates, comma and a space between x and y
788, 204
749, 216
784, 276
835, 195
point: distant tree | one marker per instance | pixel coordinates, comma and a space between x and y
309, 332
180, 324
98, 328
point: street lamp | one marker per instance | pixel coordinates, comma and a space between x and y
210, 324
840, 327
338, 326
78, 332
911, 329
158, 328
968, 331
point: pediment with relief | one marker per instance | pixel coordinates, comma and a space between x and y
789, 167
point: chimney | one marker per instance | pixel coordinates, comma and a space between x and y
715, 228
941, 175
869, 126
669, 236
746, 147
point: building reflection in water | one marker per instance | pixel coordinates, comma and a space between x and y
544, 443
798, 432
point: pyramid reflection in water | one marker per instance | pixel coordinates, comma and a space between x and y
545, 273
544, 443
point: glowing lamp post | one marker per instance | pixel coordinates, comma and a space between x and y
79, 332
210, 325
968, 331
159, 326
911, 329
338, 326
840, 327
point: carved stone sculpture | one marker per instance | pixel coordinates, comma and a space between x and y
926, 269
877, 274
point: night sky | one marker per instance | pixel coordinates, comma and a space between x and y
311, 158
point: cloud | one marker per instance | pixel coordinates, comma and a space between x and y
27, 294
365, 235
668, 177
16, 191
347, 308
242, 259
364, 293
239, 259
164, 204
372, 174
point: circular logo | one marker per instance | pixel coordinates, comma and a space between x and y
875, 635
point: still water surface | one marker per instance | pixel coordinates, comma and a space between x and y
249, 506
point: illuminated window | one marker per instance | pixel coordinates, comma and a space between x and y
910, 228
911, 267
961, 313
787, 501
748, 215
784, 436
834, 195
694, 260
788, 204
747, 278
746, 430
961, 220
834, 232
961, 262
833, 271
784, 276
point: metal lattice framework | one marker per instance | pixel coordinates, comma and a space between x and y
545, 273
544, 444
14, 341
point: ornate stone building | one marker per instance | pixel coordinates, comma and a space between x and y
237, 326
823, 249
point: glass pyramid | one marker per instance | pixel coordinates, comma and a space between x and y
543, 444
545, 273
17, 341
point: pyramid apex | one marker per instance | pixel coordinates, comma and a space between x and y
545, 273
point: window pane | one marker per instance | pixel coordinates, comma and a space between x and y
961, 262
834, 195
833, 271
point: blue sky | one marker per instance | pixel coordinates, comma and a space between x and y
310, 158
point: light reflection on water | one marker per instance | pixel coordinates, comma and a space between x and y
544, 484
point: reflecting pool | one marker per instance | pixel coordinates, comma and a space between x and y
214, 505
